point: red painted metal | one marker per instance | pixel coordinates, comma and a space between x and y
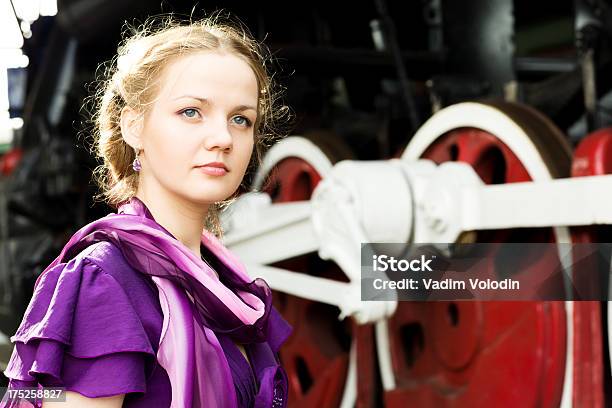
465, 354
593, 156
315, 361
9, 161
316, 355
369, 386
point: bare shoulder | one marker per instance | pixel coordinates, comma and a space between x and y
74, 399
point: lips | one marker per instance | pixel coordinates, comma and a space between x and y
214, 164
213, 169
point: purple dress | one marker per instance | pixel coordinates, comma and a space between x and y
98, 327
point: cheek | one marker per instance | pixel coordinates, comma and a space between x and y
246, 152
168, 149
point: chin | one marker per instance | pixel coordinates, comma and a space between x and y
207, 199
205, 194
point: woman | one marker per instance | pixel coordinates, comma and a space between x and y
146, 307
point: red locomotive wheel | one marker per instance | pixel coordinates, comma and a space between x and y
468, 354
316, 356
592, 157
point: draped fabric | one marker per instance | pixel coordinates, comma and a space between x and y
197, 306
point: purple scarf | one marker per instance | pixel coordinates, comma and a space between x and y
196, 305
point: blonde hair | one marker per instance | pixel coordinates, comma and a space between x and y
130, 79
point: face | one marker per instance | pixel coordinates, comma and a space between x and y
205, 112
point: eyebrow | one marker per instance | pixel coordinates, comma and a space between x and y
205, 101
245, 107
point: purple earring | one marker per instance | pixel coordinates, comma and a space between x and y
136, 163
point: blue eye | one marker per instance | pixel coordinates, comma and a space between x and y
242, 121
190, 113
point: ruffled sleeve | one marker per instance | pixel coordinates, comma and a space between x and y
82, 332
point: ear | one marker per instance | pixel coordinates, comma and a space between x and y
131, 127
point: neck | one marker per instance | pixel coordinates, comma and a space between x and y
183, 219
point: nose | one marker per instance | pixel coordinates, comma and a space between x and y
217, 134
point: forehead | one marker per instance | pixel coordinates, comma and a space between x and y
211, 75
